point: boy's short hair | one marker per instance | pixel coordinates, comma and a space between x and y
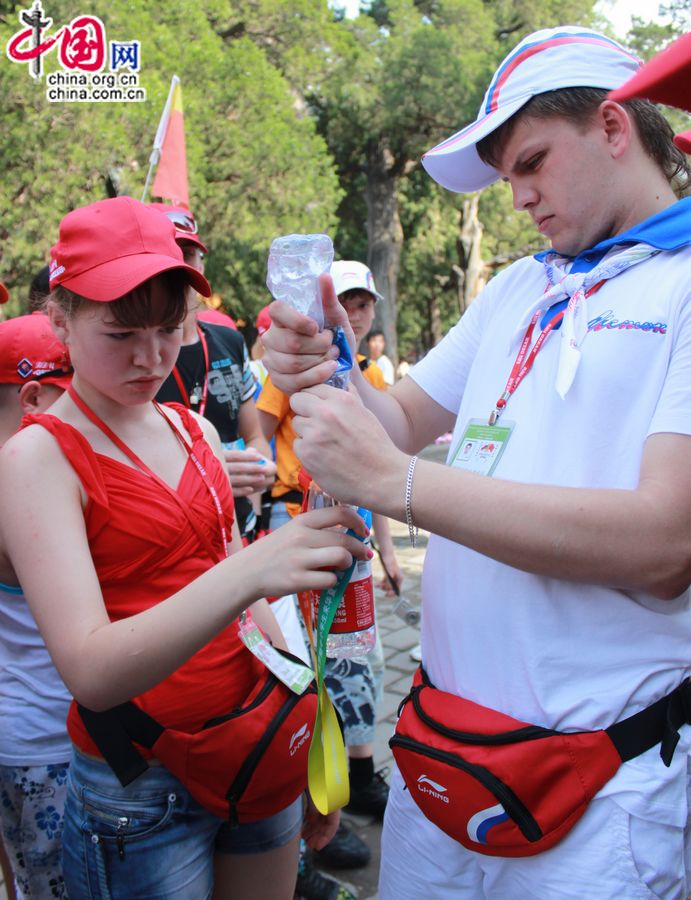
375, 332
578, 106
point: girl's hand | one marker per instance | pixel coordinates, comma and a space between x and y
306, 553
318, 829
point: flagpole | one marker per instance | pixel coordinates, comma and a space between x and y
153, 160
160, 135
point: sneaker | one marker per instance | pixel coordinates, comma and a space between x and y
345, 850
371, 799
312, 885
416, 653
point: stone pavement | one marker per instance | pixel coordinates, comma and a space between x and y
398, 639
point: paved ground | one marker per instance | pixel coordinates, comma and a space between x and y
398, 639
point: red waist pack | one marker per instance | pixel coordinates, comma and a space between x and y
503, 787
243, 766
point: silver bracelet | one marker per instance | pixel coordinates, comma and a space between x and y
412, 528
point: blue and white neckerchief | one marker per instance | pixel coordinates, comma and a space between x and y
561, 285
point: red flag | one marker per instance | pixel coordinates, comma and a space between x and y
169, 147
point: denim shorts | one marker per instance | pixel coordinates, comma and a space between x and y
151, 839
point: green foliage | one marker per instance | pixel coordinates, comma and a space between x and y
257, 167
648, 38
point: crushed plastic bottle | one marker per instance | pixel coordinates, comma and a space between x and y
295, 263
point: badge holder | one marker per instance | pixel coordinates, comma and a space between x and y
481, 446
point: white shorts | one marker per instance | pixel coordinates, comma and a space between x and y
608, 855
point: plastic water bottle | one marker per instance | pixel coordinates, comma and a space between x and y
295, 263
353, 630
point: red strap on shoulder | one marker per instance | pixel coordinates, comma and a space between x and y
78, 452
192, 426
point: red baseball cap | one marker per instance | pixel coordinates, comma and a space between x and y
263, 320
108, 248
683, 141
184, 221
4, 293
29, 351
664, 79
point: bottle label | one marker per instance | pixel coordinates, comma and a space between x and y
355, 612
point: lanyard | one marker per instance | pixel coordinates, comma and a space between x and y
524, 360
295, 675
186, 399
140, 464
327, 764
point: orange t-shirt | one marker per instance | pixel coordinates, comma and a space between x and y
288, 466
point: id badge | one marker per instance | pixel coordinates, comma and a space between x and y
481, 446
295, 675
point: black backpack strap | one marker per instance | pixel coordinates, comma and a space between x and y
364, 364
657, 724
113, 732
289, 497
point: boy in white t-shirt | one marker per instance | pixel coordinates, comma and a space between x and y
556, 583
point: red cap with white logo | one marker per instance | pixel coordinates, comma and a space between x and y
109, 248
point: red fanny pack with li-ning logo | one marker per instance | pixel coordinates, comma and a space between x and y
243, 766
503, 787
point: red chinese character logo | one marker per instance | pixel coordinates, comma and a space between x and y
18, 53
83, 44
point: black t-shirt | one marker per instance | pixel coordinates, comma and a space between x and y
230, 384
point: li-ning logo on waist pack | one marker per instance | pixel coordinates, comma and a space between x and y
298, 739
434, 789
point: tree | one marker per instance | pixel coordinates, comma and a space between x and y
416, 73
256, 163
405, 82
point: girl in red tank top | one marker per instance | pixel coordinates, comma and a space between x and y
118, 519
